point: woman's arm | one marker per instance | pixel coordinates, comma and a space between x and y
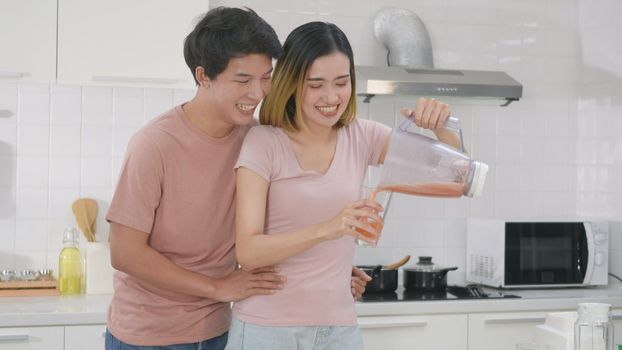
255, 249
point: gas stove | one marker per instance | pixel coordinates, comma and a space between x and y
453, 292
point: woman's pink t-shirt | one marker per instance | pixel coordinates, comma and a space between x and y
317, 291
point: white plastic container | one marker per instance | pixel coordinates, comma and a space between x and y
557, 331
99, 271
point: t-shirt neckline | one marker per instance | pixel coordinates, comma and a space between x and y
200, 133
333, 164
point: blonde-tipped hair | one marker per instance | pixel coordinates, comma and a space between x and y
302, 47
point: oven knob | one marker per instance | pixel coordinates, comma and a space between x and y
599, 258
600, 238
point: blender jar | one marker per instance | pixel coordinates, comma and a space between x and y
419, 165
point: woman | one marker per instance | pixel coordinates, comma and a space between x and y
298, 182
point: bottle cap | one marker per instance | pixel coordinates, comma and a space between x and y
70, 235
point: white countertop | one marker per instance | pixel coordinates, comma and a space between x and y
54, 310
91, 309
531, 300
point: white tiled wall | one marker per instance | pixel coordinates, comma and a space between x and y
599, 122
556, 153
59, 143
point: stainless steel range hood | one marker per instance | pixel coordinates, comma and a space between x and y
394, 80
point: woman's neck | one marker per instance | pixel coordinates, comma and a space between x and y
313, 135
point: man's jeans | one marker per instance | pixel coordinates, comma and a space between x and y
217, 343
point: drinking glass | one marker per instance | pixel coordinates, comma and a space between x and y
384, 199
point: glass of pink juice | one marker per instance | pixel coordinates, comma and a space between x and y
384, 199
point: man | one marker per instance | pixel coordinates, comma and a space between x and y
172, 215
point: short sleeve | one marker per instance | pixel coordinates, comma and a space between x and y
377, 136
257, 152
139, 189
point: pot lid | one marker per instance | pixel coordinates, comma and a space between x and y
425, 264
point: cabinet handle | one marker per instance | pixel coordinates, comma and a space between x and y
121, 79
513, 319
391, 324
13, 75
616, 316
13, 337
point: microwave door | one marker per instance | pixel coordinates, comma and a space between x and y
545, 254
591, 253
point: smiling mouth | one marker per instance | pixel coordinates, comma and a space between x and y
245, 107
327, 110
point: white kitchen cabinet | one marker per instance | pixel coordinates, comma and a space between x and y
32, 338
28, 41
118, 42
616, 315
502, 331
422, 332
85, 337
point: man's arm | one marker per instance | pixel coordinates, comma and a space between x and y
358, 282
131, 253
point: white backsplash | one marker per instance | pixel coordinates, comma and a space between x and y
556, 153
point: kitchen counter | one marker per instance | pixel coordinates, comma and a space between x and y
531, 300
91, 309
54, 310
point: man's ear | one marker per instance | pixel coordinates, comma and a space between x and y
202, 78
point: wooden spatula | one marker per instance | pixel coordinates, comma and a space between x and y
85, 212
397, 265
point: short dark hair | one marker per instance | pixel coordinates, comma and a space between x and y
302, 47
225, 33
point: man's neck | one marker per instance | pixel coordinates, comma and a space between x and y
203, 118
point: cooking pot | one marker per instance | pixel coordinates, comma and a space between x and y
382, 280
426, 276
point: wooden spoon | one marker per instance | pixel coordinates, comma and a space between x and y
85, 212
397, 265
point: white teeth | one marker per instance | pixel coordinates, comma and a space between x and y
327, 109
245, 107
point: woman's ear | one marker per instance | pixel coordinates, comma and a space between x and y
202, 78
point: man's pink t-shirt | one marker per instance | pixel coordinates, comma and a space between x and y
317, 290
178, 185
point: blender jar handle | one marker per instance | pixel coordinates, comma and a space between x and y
452, 123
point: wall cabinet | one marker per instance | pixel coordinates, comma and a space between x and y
28, 41
32, 338
422, 332
125, 42
92, 42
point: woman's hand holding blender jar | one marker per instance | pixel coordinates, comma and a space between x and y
433, 115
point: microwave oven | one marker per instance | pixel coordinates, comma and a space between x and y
535, 254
